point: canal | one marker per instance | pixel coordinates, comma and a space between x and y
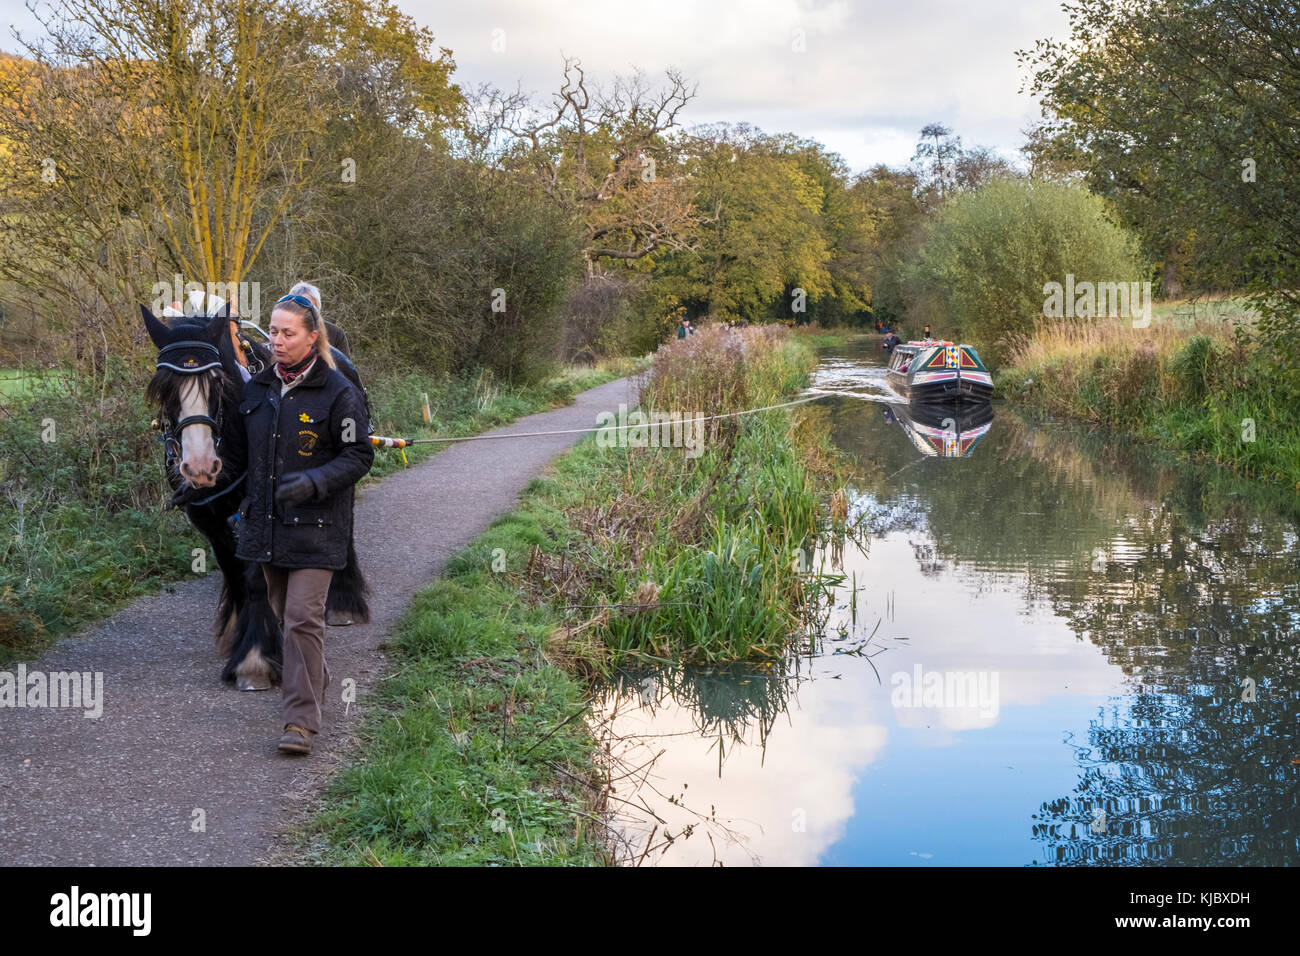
1051, 647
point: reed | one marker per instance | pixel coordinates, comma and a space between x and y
727, 370
721, 539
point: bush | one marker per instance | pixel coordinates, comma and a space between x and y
1190, 369
410, 259
721, 370
986, 256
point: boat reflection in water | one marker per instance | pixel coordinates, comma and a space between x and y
943, 430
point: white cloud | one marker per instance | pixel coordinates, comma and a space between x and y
871, 74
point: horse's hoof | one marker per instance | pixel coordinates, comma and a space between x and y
248, 683
338, 618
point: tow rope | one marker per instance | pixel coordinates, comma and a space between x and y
401, 444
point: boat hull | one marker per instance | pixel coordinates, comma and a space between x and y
957, 390
939, 372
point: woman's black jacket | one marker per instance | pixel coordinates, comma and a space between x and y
319, 427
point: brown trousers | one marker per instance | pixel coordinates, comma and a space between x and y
297, 596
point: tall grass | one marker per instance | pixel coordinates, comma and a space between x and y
1203, 387
720, 370
734, 589
82, 525
699, 559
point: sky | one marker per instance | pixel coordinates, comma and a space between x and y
860, 76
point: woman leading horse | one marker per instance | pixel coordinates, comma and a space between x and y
305, 443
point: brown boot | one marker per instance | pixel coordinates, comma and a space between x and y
296, 740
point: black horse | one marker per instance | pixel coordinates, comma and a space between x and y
197, 387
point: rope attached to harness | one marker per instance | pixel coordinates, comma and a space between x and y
382, 442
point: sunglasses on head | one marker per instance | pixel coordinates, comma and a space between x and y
305, 302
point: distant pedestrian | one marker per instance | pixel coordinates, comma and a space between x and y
684, 329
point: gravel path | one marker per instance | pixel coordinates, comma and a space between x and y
182, 769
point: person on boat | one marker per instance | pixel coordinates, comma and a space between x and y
889, 342
928, 336
304, 445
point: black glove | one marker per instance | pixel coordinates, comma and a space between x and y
295, 489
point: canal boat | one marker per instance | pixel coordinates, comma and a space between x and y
950, 430
938, 372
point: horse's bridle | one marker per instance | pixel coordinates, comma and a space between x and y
172, 448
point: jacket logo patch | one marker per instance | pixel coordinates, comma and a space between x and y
304, 417
307, 442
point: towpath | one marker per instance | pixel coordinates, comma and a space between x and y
183, 769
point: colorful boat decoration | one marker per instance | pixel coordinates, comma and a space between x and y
944, 431
938, 372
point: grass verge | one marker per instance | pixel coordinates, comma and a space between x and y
475, 750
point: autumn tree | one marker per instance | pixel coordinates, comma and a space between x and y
765, 233
173, 139
604, 153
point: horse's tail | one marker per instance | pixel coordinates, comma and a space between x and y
349, 590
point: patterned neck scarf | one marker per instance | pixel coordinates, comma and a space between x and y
289, 374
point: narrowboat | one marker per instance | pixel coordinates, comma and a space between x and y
944, 431
938, 372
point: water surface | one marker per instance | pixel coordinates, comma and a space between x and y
1062, 650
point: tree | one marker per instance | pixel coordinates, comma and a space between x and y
158, 136
937, 145
184, 137
1184, 113
846, 226
764, 238
988, 254
890, 200
604, 154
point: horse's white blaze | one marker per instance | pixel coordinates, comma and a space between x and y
199, 461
